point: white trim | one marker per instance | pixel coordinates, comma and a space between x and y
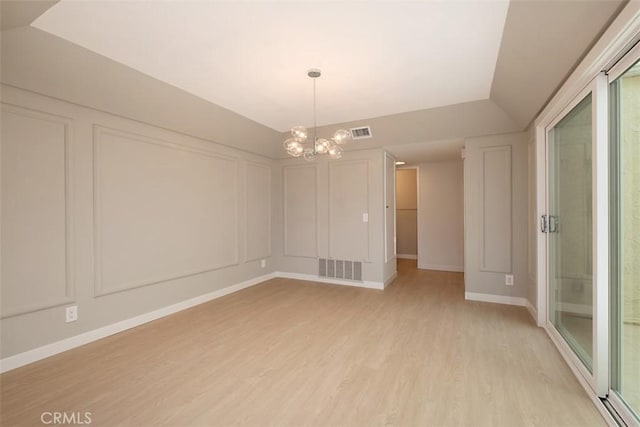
609, 48
69, 245
577, 367
387, 256
393, 277
598, 89
541, 240
437, 267
592, 88
48, 350
328, 280
612, 43
624, 64
572, 358
30, 356
600, 226
614, 399
531, 309
407, 256
497, 299
581, 309
621, 408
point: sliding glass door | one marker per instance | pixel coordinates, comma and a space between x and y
588, 196
625, 236
569, 224
576, 226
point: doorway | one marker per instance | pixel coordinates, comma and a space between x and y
407, 213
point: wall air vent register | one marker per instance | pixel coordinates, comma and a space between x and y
340, 269
361, 132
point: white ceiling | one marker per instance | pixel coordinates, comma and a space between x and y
377, 58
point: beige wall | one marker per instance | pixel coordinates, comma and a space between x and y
407, 212
441, 216
46, 64
496, 209
319, 214
118, 218
122, 218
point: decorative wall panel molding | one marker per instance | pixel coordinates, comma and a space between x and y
151, 221
496, 217
36, 219
258, 211
348, 205
300, 211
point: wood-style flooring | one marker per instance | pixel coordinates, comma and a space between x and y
293, 353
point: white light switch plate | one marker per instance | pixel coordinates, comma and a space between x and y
365, 217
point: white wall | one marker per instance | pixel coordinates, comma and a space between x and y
441, 216
496, 216
117, 217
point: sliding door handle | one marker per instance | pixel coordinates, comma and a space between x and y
544, 224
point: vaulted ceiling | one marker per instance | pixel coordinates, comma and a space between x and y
419, 71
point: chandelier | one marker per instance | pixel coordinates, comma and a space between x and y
298, 145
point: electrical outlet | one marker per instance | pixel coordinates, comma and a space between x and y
263, 263
508, 279
72, 313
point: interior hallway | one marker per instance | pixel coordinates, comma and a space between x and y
287, 352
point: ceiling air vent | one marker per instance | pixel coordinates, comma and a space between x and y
361, 133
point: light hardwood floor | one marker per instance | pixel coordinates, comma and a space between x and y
288, 352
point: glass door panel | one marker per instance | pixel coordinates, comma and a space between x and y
625, 125
570, 229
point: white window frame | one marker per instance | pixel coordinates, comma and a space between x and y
598, 380
616, 71
613, 45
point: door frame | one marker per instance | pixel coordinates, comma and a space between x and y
598, 380
417, 169
616, 71
617, 40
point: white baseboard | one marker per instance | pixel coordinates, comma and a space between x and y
532, 310
313, 278
497, 299
390, 279
30, 356
453, 268
407, 256
579, 309
570, 360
